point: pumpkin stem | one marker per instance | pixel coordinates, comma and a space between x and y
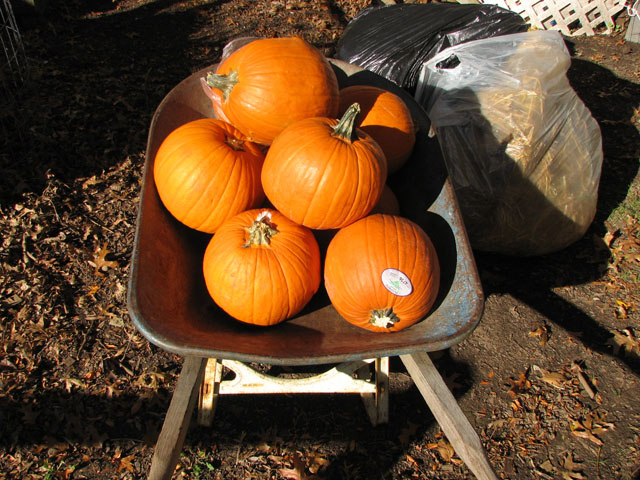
223, 82
345, 130
261, 230
235, 143
383, 318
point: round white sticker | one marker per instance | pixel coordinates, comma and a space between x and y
396, 282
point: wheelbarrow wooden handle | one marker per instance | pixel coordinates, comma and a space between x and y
176, 423
448, 414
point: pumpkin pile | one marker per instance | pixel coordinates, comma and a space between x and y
320, 157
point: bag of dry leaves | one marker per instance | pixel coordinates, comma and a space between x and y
523, 152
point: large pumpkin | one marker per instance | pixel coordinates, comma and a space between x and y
386, 117
270, 83
207, 171
262, 268
382, 273
323, 173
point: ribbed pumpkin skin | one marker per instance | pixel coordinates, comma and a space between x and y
320, 181
388, 202
262, 284
386, 118
280, 81
202, 179
356, 258
207, 171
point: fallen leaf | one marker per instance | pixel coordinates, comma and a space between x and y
569, 463
263, 448
570, 468
318, 463
589, 428
446, 450
519, 385
609, 237
67, 472
542, 332
582, 378
70, 382
555, 379
624, 340
90, 182
125, 464
100, 262
297, 472
150, 380
587, 435
497, 423
623, 309
411, 460
547, 467
597, 424
93, 290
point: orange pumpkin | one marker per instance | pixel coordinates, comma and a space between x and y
270, 83
207, 171
262, 268
386, 117
323, 173
388, 202
382, 273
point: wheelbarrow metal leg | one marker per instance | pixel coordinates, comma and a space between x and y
176, 423
447, 412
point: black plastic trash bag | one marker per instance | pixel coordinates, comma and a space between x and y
395, 40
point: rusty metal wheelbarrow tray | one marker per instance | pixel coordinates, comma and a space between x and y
170, 306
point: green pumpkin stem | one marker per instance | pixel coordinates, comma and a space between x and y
261, 231
383, 318
346, 128
223, 82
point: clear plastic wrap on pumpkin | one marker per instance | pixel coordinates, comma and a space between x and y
269, 83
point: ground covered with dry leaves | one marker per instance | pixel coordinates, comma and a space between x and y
549, 379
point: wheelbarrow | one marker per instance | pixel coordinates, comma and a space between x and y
169, 304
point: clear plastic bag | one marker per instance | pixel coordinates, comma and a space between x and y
215, 95
395, 40
523, 152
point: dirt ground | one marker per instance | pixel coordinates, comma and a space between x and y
549, 378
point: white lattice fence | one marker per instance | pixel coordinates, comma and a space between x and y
13, 72
13, 69
571, 17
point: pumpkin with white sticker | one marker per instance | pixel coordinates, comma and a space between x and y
382, 273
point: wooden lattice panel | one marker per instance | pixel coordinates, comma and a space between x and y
571, 17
